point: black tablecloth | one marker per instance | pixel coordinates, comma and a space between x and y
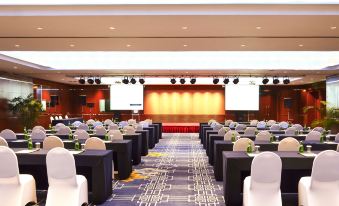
151, 136
201, 125
136, 147
67, 121
160, 129
237, 165
156, 132
95, 165
144, 141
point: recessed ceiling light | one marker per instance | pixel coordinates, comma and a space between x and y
128, 45
17, 45
111, 27
258, 27
333, 27
39, 28
301, 45
15, 67
185, 45
72, 45
243, 45
62, 79
184, 27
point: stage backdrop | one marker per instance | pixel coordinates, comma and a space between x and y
184, 100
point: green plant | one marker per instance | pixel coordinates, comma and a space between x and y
28, 109
330, 115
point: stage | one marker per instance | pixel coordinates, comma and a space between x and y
180, 127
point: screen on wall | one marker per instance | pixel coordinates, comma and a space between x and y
332, 92
126, 97
242, 97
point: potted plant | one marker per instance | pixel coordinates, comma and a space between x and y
330, 120
27, 109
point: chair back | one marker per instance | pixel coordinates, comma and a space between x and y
283, 125
138, 127
132, 121
240, 127
149, 121
57, 173
261, 125
275, 127
9, 172
3, 142
318, 129
97, 123
223, 131
289, 144
122, 124
250, 131
76, 123
95, 143
8, 134
81, 134
254, 122
242, 143
129, 130
90, 122
144, 123
217, 126
108, 122
59, 125
64, 131
233, 125
228, 122
39, 127
83, 126
271, 122
100, 130
38, 134
113, 127
298, 127
229, 134
263, 136
337, 138
290, 131
51, 142
115, 134
313, 136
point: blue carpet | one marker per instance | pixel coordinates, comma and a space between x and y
176, 172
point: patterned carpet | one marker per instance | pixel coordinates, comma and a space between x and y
176, 172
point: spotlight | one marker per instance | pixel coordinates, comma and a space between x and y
193, 80
275, 80
133, 81
236, 80
215, 80
125, 80
97, 80
226, 80
286, 80
90, 80
141, 80
265, 80
82, 80
173, 81
182, 80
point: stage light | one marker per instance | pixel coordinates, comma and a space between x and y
133, 81
125, 80
236, 80
90, 80
276, 80
182, 80
97, 80
265, 80
215, 80
173, 81
141, 80
286, 80
193, 80
226, 80
82, 80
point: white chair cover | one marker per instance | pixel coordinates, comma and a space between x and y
132, 121
242, 143
337, 138
122, 124
3, 142
97, 123
318, 129
115, 134
271, 122
228, 135
240, 127
254, 122
290, 131
15, 189
64, 131
39, 127
113, 127
233, 125
228, 122
289, 144
100, 130
250, 131
313, 136
95, 143
81, 134
149, 121
263, 136
8, 134
51, 142
144, 124
90, 122
321, 188
223, 131
261, 125
129, 130
298, 127
108, 122
218, 126
283, 125
263, 186
83, 126
76, 123
65, 187
275, 127
138, 127
38, 134
59, 125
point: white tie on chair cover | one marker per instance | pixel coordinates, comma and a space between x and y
289, 144
51, 142
263, 136
15, 189
8, 134
290, 131
313, 136
229, 134
242, 143
322, 187
100, 130
65, 187
262, 188
250, 131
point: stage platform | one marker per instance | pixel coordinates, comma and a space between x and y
180, 127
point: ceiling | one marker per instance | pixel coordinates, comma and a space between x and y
168, 28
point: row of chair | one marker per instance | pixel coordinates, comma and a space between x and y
321, 188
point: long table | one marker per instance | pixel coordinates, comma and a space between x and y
151, 136
144, 141
237, 165
95, 165
156, 131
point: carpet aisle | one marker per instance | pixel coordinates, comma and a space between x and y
176, 172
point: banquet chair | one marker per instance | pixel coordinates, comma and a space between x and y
283, 125
271, 122
115, 134
132, 121
254, 122
113, 127
83, 126
123, 124
318, 129
3, 142
290, 131
108, 122
138, 127
39, 127
337, 147
149, 121
144, 123
233, 125
65, 186
95, 143
275, 127
222, 131
313, 136
129, 130
240, 127
100, 130
15, 189
241, 144
51, 118
218, 126
7, 134
58, 126
97, 123
81, 134
213, 124
90, 122
321, 188
229, 134
38, 134
51, 142
337, 138
262, 188
261, 125
250, 131
289, 144
64, 131
76, 123
263, 136
298, 127
228, 122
